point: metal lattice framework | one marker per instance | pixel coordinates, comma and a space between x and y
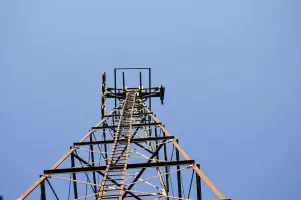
128, 154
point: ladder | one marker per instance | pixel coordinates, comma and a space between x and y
117, 163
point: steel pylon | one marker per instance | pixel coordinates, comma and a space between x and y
128, 154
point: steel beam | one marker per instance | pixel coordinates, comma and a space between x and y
198, 185
134, 115
166, 170
129, 166
92, 158
132, 88
43, 190
136, 140
179, 180
74, 177
121, 126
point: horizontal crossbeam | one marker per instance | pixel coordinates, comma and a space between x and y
139, 107
141, 194
122, 95
124, 126
129, 166
134, 115
143, 89
135, 140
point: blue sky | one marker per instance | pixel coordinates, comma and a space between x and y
232, 71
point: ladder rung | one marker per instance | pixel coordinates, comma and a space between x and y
115, 175
112, 189
112, 171
113, 184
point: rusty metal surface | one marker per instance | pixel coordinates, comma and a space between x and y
127, 148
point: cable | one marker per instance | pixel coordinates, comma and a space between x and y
182, 186
89, 180
69, 188
171, 182
173, 148
52, 189
85, 172
190, 183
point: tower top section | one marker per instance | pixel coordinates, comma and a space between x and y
145, 88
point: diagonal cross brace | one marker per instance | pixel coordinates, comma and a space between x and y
113, 181
142, 170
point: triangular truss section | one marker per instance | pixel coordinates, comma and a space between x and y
129, 154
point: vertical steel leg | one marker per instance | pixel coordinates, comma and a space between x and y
150, 86
166, 169
105, 146
198, 185
179, 173
92, 158
123, 82
74, 177
103, 95
115, 83
156, 135
140, 75
43, 191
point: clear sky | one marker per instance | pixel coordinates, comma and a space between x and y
232, 71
